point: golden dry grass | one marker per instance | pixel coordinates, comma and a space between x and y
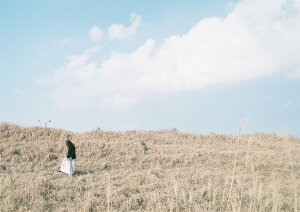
178, 172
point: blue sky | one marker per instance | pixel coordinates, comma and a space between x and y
198, 66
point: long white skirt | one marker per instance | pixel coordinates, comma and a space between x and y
68, 166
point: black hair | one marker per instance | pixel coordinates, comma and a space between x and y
69, 143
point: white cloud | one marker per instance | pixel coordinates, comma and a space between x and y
95, 33
230, 5
257, 39
40, 81
118, 31
268, 98
20, 91
64, 41
296, 72
287, 104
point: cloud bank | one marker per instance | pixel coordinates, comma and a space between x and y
256, 39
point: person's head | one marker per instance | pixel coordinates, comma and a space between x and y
68, 143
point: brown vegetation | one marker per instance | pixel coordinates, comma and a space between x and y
148, 171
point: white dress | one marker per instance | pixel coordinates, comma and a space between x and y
68, 166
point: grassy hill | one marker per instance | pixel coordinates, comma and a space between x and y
148, 171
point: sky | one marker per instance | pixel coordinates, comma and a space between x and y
198, 66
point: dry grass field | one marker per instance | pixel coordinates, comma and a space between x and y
172, 171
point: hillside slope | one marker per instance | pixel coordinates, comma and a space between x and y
178, 172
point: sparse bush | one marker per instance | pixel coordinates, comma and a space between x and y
52, 157
3, 168
144, 146
16, 152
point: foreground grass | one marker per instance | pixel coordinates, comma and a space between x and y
177, 172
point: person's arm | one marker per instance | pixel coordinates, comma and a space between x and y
69, 155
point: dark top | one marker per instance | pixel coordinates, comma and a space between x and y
71, 152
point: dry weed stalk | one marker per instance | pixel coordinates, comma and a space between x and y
292, 172
235, 158
108, 194
245, 170
275, 195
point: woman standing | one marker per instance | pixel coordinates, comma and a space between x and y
68, 164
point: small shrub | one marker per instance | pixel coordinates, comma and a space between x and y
52, 157
16, 152
3, 167
144, 146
